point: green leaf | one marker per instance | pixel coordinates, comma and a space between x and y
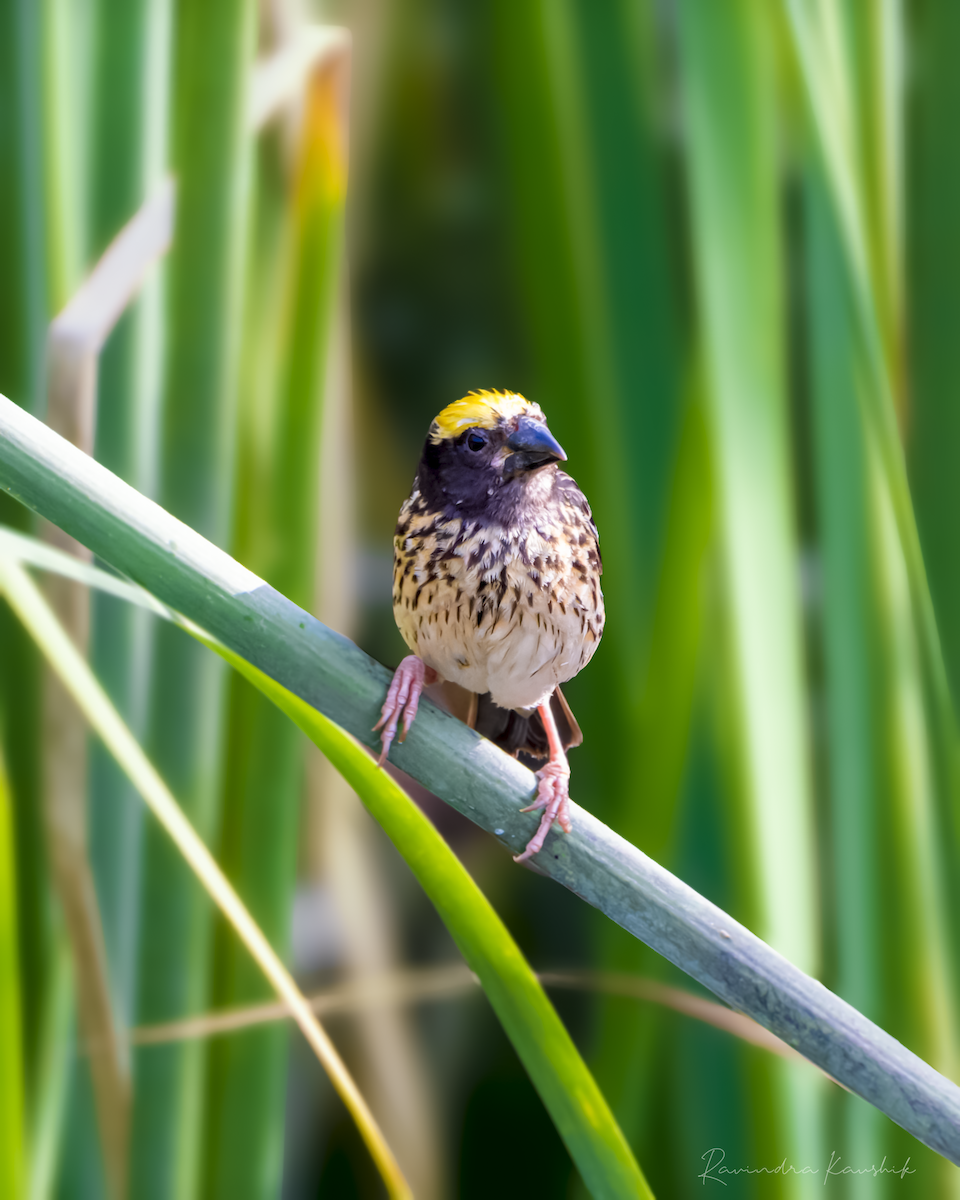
829, 105
729, 91
209, 153
850, 635
293, 269
558, 1072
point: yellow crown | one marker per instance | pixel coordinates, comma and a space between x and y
483, 410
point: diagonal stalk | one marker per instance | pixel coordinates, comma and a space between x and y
327, 671
546, 1050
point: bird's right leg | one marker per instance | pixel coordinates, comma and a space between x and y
553, 788
403, 699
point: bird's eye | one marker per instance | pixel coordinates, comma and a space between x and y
475, 440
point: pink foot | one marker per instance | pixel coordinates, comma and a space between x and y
553, 796
553, 791
403, 699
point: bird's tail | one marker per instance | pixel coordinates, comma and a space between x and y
515, 732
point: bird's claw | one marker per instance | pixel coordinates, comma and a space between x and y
553, 796
403, 700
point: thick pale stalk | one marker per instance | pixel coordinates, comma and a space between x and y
330, 673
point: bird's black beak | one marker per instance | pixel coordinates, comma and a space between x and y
532, 445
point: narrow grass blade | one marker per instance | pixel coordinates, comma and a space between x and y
921, 998
50, 1080
933, 436
245, 1087
850, 621
23, 292
373, 993
130, 203
36, 615
23, 325
729, 95
402, 987
565, 1085
331, 674
343, 848
307, 331
35, 553
668, 693
827, 92
75, 339
66, 40
877, 67
934, 242
572, 100
576, 105
108, 1060
209, 155
735, 229
12, 1124
628, 1052
275, 532
917, 764
884, 788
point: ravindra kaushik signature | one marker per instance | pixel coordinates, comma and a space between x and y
716, 1168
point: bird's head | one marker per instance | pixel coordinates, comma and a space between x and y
483, 451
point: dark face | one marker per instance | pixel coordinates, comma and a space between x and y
486, 471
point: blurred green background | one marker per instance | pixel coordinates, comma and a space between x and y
717, 242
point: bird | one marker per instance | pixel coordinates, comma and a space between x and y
496, 589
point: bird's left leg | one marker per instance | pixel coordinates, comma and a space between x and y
403, 699
553, 792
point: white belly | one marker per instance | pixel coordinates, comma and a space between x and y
518, 659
